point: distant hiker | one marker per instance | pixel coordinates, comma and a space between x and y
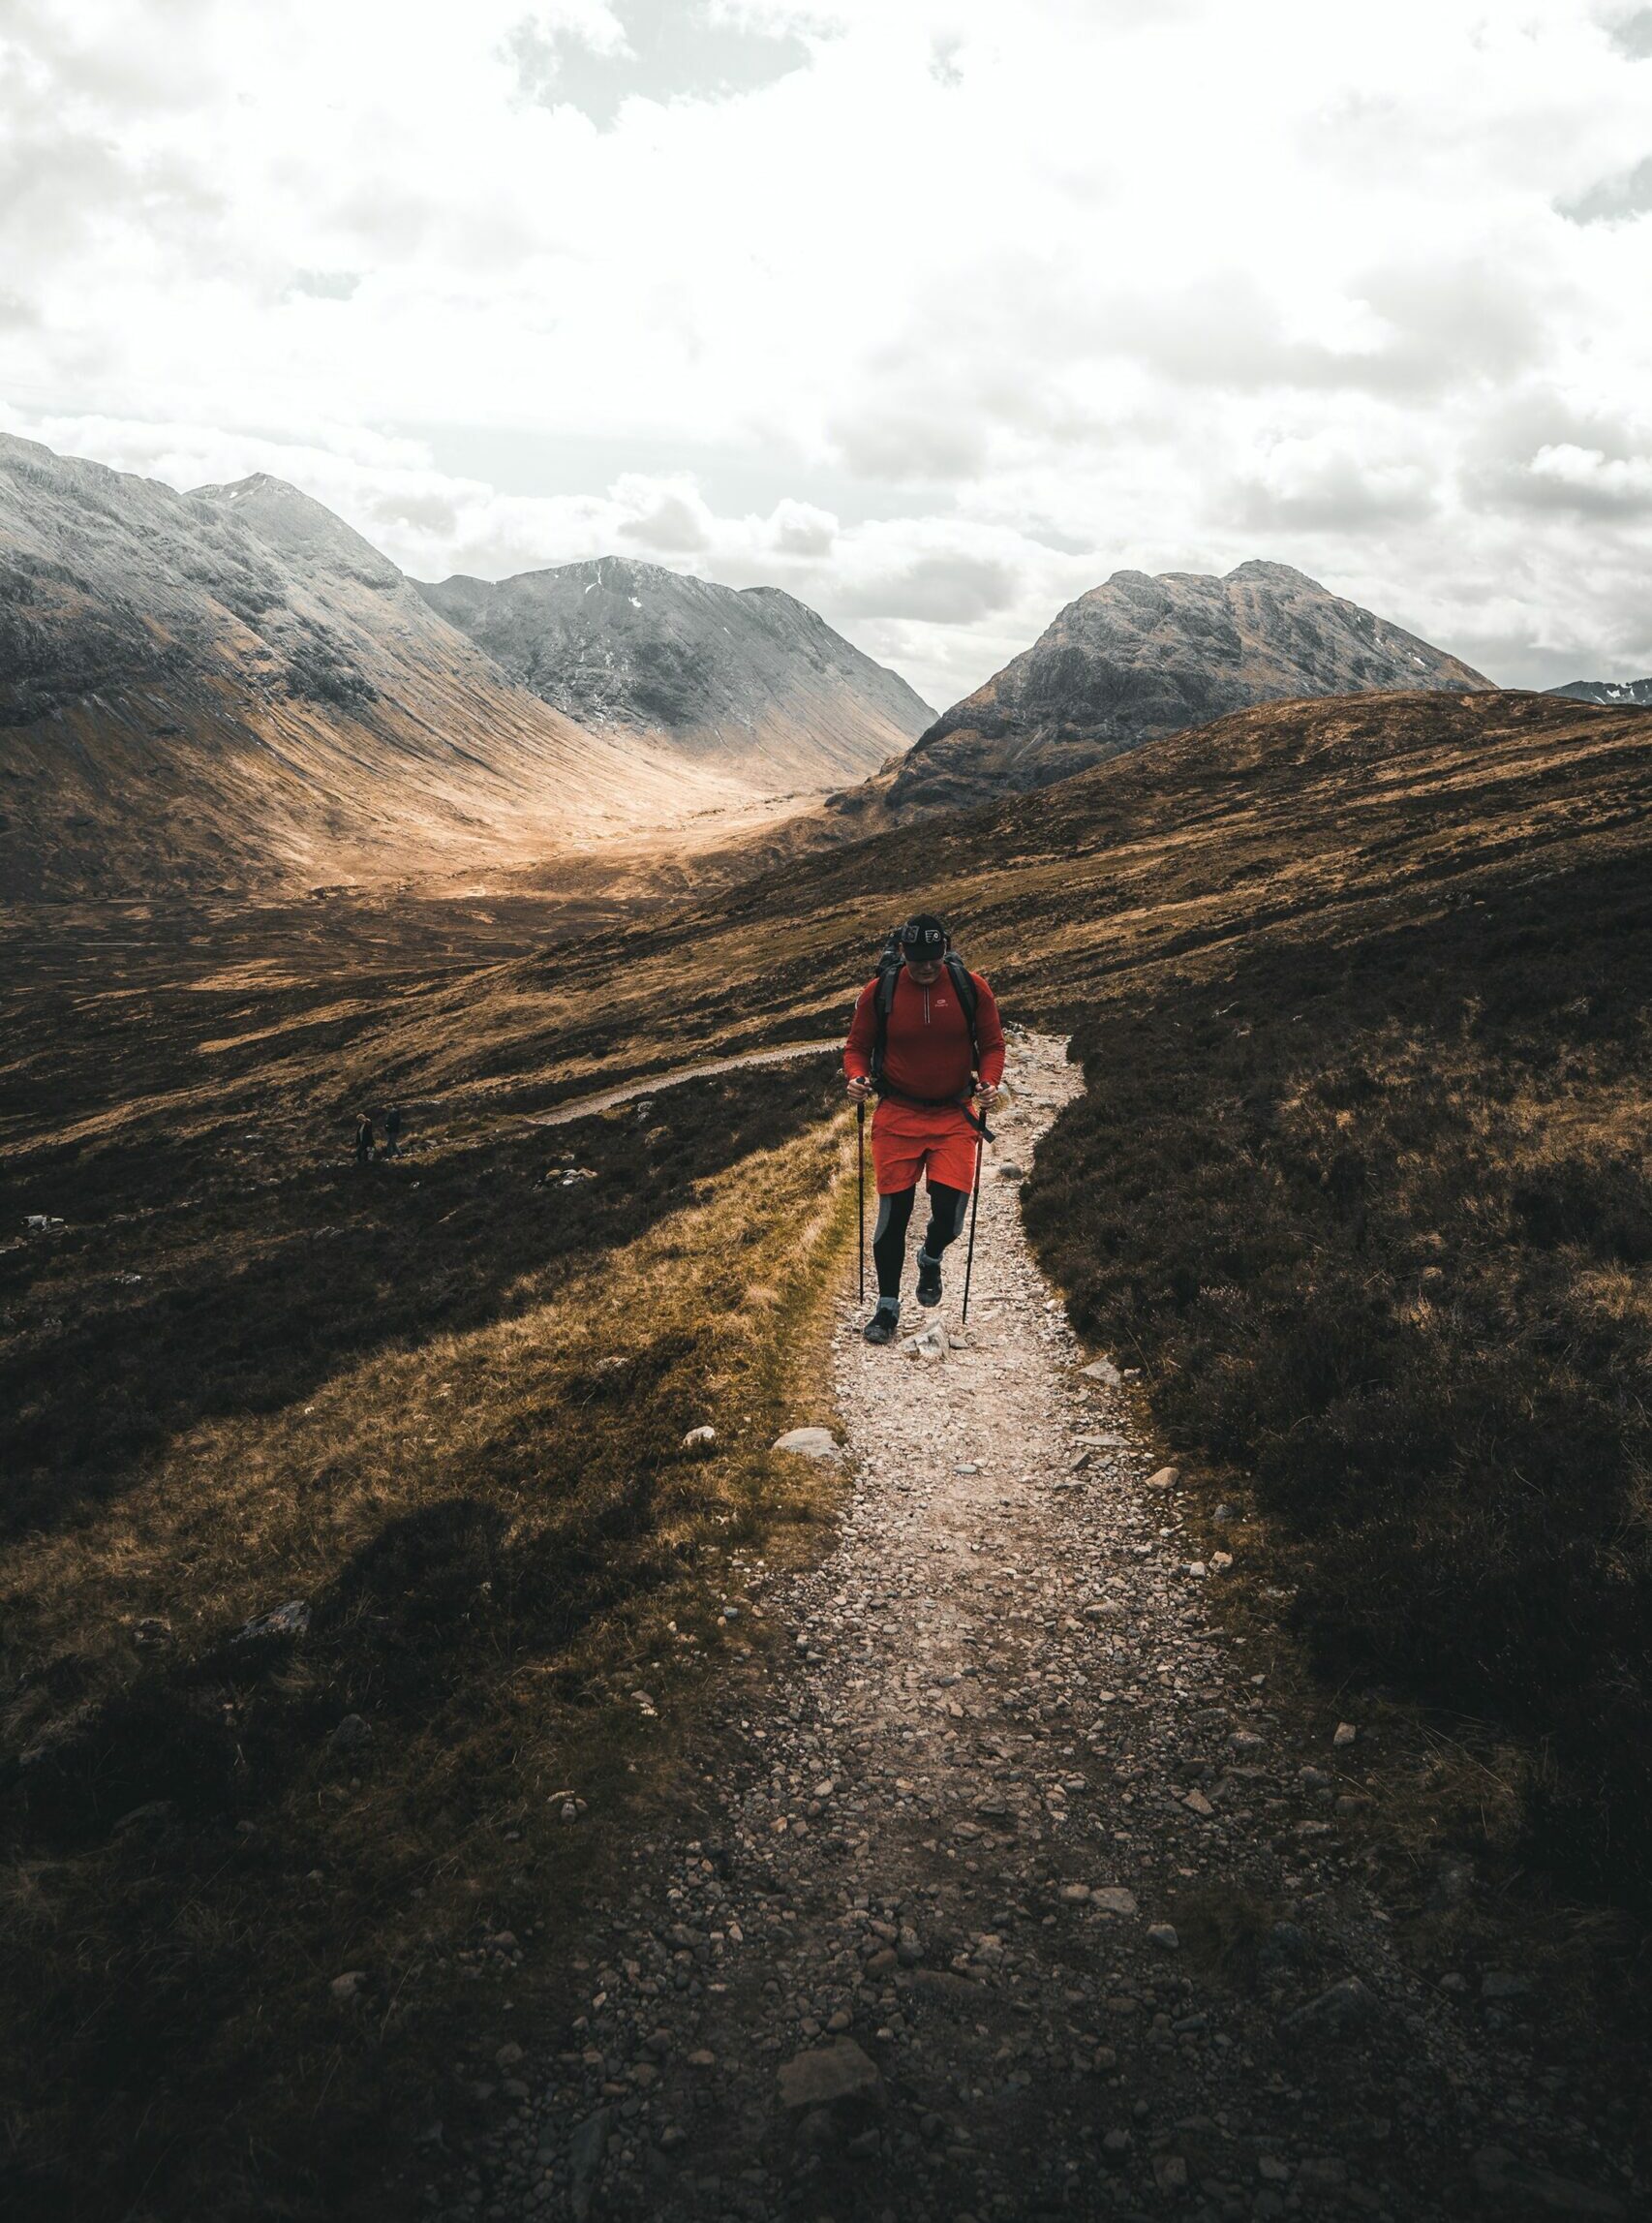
393, 1132
925, 1037
363, 1140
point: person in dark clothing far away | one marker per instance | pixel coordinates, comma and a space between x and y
393, 1132
363, 1140
923, 1079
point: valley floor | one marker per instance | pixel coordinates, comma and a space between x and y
1025, 1891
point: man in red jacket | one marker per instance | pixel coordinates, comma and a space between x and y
924, 1071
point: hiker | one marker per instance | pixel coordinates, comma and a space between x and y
363, 1140
393, 1132
924, 1040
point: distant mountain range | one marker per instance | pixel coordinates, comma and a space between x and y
751, 681
1140, 656
1619, 694
230, 688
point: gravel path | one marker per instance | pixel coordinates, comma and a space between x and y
583, 1107
939, 1955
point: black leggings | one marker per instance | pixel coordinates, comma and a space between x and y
947, 1206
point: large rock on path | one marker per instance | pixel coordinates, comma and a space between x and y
829, 2076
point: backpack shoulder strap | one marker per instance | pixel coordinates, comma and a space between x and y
969, 999
888, 973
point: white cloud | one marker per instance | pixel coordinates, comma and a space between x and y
985, 303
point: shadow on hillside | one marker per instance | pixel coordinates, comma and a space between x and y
277, 1281
1374, 1214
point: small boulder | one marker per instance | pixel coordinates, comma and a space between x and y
1114, 1899
829, 2076
699, 1440
1346, 2006
928, 1346
809, 1443
1103, 1370
290, 1619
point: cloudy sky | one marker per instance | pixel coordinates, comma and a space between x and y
934, 312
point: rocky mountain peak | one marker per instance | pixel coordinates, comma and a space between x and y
299, 528
748, 679
1265, 571
1144, 655
1616, 693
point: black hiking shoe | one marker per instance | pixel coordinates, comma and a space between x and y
928, 1279
881, 1327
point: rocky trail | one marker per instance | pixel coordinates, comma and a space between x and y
931, 1948
584, 1107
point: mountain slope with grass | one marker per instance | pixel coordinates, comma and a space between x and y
1357, 1180
230, 688
751, 682
1361, 989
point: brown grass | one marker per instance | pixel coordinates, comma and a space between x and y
1359, 1178
502, 1540
1376, 1219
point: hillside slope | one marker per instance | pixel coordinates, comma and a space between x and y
230, 687
752, 682
1358, 1179
1361, 990
1140, 656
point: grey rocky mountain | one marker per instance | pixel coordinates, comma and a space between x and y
1140, 657
1620, 693
750, 679
231, 688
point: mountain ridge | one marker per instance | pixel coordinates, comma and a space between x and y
1140, 657
230, 688
748, 677
1615, 693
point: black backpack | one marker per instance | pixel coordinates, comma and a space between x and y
888, 972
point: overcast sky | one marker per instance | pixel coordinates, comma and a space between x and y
934, 312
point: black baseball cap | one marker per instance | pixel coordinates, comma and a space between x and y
924, 939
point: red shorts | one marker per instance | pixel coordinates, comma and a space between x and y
909, 1139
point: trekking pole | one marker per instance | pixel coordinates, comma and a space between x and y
859, 1186
975, 1208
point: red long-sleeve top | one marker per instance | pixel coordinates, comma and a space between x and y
926, 1053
